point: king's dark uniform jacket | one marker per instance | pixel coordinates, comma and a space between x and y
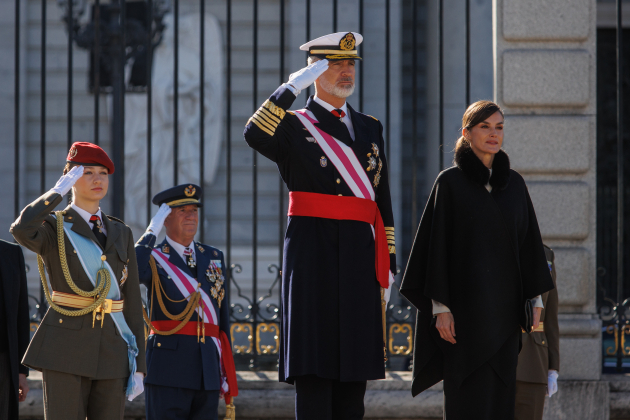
181, 361
331, 310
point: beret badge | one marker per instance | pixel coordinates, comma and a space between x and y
73, 152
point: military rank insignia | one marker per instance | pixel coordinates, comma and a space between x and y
166, 249
125, 274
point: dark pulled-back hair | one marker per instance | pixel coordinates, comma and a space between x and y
476, 113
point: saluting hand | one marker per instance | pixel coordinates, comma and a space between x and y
66, 181
158, 220
446, 326
305, 77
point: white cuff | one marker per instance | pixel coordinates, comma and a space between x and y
537, 302
293, 89
439, 308
57, 190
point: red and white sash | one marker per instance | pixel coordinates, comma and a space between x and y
344, 159
341, 155
187, 286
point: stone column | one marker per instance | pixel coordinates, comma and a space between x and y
544, 66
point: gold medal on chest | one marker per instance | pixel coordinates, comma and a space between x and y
323, 161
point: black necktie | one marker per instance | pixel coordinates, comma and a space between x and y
97, 228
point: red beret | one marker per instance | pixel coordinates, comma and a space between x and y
89, 154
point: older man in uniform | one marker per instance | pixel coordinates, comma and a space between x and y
539, 360
189, 356
339, 251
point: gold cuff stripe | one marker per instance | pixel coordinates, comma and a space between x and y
391, 229
183, 201
392, 249
541, 328
274, 109
265, 118
265, 123
269, 114
337, 52
262, 127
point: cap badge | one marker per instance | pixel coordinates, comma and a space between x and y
73, 152
190, 191
347, 42
323, 161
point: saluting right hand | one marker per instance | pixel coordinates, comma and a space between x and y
446, 326
305, 77
158, 220
66, 181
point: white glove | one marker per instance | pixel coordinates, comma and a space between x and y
155, 227
66, 181
552, 382
305, 77
138, 385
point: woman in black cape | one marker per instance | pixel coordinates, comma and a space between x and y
477, 257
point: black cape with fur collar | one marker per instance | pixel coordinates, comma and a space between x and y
480, 254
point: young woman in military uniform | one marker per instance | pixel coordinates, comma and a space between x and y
90, 344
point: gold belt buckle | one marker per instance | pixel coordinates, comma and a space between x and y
103, 308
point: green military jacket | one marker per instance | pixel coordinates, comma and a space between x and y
69, 343
541, 350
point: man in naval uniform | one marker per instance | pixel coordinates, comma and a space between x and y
189, 356
339, 250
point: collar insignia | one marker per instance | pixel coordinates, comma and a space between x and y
166, 249
200, 248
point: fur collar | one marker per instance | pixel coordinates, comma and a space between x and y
469, 163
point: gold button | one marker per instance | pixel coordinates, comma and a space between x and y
338, 181
339, 195
103, 257
543, 342
159, 344
61, 321
74, 250
127, 260
46, 202
69, 217
98, 317
168, 277
198, 284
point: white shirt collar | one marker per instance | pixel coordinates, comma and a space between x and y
85, 215
179, 248
328, 106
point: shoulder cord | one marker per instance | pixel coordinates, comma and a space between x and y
185, 316
102, 277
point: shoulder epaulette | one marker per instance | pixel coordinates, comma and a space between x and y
115, 219
372, 117
291, 112
548, 247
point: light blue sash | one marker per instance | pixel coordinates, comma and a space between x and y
89, 254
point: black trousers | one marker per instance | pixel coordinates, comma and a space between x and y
327, 399
170, 403
484, 395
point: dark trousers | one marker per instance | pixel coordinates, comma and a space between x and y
170, 403
327, 399
530, 400
8, 403
74, 397
484, 395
